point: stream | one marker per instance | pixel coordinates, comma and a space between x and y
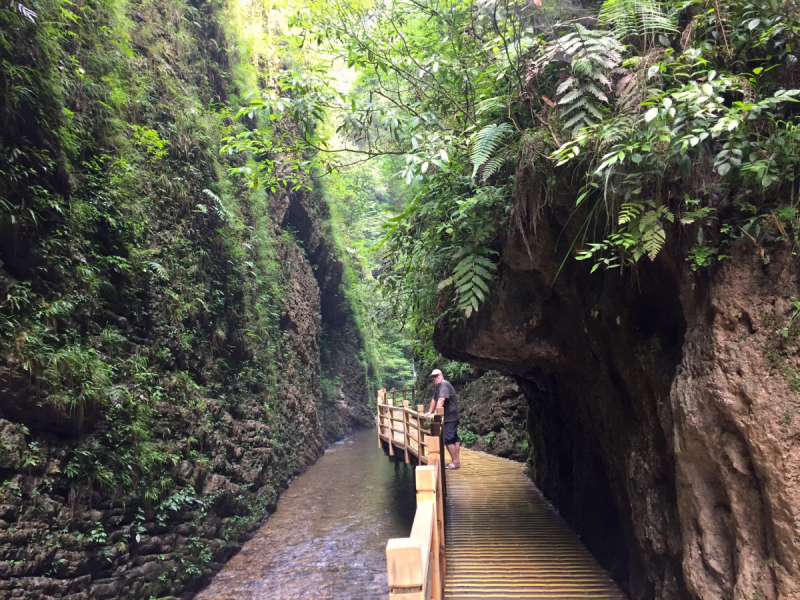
327, 537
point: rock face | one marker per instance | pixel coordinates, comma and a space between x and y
342, 403
233, 457
663, 410
493, 413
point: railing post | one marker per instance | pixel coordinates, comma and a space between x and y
404, 568
390, 416
427, 489
437, 428
378, 406
405, 427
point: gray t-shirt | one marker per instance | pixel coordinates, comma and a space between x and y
446, 390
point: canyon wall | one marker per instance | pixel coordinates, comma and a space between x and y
164, 327
662, 408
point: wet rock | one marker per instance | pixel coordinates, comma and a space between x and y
493, 415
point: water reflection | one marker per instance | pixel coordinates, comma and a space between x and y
328, 536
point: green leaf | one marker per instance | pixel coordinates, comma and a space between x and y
444, 283
651, 114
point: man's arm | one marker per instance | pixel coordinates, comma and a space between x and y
434, 405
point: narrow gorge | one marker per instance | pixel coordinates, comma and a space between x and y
226, 224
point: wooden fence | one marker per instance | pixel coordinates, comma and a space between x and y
416, 564
404, 428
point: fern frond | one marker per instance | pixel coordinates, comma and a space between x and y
493, 165
596, 92
490, 105
565, 85
601, 78
484, 142
629, 211
212, 195
595, 112
653, 241
581, 116
574, 106
577, 93
636, 18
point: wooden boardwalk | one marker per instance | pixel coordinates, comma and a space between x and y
503, 541
481, 531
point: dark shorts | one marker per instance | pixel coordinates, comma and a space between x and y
451, 433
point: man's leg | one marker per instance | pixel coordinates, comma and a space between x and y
453, 444
453, 449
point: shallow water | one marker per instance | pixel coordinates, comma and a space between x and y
327, 538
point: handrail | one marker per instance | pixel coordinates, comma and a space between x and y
416, 564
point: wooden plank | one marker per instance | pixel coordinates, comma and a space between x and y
422, 532
413, 447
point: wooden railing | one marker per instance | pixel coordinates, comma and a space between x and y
416, 564
403, 428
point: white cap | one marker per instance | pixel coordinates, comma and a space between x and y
436, 372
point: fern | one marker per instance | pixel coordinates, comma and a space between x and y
497, 103
629, 211
212, 195
636, 18
471, 277
643, 226
483, 143
641, 233
592, 56
159, 269
493, 165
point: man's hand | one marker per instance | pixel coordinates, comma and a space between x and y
428, 415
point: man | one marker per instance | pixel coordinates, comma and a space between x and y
444, 396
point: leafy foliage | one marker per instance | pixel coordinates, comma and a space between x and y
660, 102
